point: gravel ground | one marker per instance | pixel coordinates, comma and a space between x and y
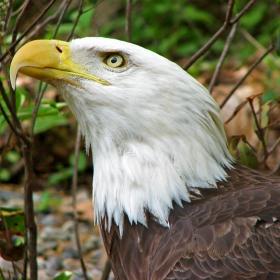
56, 244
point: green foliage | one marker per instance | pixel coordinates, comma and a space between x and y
11, 157
46, 201
269, 95
242, 152
67, 172
66, 275
48, 114
14, 219
82, 29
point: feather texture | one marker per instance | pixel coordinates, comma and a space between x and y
231, 232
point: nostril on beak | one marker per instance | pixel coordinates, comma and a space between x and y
58, 48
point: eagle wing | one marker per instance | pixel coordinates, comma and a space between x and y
231, 232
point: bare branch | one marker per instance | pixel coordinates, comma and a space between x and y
106, 270
19, 18
128, 20
216, 36
229, 11
40, 26
38, 99
226, 25
31, 233
222, 57
243, 11
74, 191
274, 146
65, 7
13, 45
15, 124
75, 23
276, 169
260, 131
274, 59
254, 65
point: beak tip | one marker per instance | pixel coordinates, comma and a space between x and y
13, 76
13, 83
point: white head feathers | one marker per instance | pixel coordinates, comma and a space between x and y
154, 131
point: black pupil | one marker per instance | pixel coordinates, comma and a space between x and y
114, 60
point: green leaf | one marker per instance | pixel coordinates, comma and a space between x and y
82, 161
44, 123
13, 156
269, 95
4, 175
14, 219
253, 17
242, 152
44, 201
66, 275
197, 15
63, 174
18, 241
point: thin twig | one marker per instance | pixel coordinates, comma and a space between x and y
74, 192
216, 36
106, 270
254, 65
260, 131
7, 119
222, 57
65, 7
272, 124
38, 99
75, 23
226, 25
48, 20
248, 143
26, 31
16, 126
128, 20
31, 232
7, 21
276, 169
274, 59
19, 18
7, 144
274, 146
243, 11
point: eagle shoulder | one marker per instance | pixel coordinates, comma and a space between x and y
232, 231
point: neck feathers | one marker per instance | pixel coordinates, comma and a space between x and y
148, 156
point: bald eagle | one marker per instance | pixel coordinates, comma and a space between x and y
170, 201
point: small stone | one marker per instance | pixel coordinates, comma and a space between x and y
49, 220
53, 264
44, 246
70, 253
52, 234
68, 226
92, 243
82, 195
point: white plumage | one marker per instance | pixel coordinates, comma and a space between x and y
153, 130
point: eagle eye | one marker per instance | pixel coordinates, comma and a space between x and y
115, 60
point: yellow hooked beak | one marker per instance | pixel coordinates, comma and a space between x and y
49, 60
